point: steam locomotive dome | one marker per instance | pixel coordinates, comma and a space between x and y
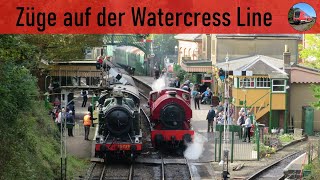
172, 116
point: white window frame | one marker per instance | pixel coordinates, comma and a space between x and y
264, 81
281, 85
235, 82
242, 80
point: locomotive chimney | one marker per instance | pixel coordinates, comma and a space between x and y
118, 95
286, 57
172, 93
119, 100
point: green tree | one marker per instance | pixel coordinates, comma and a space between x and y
165, 43
29, 139
312, 51
290, 14
181, 74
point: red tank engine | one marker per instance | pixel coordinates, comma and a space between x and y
170, 116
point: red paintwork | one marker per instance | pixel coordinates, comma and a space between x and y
163, 98
158, 94
178, 134
157, 100
117, 147
302, 17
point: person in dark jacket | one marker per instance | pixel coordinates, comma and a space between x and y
210, 118
91, 109
85, 98
197, 100
70, 123
177, 83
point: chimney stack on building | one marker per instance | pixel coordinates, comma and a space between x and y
286, 57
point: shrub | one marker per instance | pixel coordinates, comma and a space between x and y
285, 138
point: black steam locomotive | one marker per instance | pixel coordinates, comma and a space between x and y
119, 134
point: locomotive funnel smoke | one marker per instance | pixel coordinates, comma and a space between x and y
159, 84
195, 149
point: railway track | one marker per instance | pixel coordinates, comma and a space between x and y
175, 169
275, 170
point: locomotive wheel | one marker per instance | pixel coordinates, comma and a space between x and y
172, 116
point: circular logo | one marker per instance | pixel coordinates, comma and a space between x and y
302, 17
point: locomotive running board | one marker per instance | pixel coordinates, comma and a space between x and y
158, 161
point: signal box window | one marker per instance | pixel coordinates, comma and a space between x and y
263, 82
247, 83
278, 85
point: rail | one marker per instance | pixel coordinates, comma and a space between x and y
269, 168
89, 173
131, 172
102, 172
188, 165
162, 169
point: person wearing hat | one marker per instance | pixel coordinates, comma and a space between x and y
210, 118
86, 124
70, 123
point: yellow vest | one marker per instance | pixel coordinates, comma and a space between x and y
87, 120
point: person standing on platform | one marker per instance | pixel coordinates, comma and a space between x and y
177, 83
247, 126
91, 109
84, 94
70, 123
87, 124
210, 118
197, 100
61, 119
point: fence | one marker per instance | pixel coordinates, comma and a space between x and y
235, 142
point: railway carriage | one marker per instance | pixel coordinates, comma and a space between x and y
300, 16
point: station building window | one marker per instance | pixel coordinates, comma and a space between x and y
247, 83
263, 83
278, 85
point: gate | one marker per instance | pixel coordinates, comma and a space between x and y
233, 141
